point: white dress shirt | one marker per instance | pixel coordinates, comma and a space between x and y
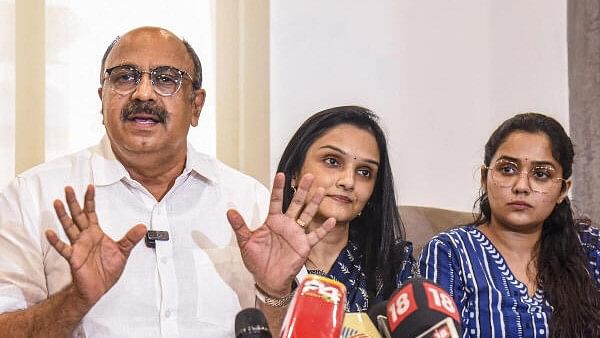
189, 286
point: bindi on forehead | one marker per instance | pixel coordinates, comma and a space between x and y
526, 162
349, 154
527, 147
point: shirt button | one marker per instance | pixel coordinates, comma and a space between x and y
168, 313
164, 260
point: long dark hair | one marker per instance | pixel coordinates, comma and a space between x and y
562, 265
378, 231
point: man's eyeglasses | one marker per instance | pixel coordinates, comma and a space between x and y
541, 178
165, 80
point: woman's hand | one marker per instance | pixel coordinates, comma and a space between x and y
276, 251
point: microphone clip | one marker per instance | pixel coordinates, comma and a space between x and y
155, 235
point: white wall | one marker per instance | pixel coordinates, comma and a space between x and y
441, 74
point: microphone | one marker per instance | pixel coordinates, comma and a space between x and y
155, 235
358, 325
317, 309
444, 329
378, 315
251, 323
418, 306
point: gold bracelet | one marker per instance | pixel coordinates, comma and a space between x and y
274, 301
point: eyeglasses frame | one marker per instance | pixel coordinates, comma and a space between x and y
520, 173
181, 73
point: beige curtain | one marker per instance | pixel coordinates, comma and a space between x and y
77, 34
48, 101
7, 91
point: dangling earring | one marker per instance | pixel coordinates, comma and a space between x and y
292, 187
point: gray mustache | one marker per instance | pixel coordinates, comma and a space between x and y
147, 107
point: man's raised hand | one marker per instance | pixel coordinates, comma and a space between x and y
96, 260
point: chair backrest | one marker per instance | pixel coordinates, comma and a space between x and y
422, 223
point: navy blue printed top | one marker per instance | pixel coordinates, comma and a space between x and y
491, 301
348, 270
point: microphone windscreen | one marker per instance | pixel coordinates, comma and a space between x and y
358, 325
317, 309
251, 323
417, 306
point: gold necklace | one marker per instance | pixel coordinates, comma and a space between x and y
317, 271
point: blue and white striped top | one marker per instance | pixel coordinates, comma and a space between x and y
491, 301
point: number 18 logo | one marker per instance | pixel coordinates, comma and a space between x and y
438, 299
401, 306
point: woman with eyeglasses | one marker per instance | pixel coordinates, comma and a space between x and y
526, 268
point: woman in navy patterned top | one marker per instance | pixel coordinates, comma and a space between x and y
526, 268
345, 149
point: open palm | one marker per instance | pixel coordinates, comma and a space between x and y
275, 252
96, 260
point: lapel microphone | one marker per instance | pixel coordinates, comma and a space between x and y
155, 235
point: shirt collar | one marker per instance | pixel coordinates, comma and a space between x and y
106, 168
201, 164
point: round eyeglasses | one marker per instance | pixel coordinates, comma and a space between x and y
165, 80
541, 178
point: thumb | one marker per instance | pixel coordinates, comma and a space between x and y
132, 238
60, 246
242, 233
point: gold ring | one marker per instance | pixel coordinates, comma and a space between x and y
301, 223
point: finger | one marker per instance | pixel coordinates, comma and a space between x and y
297, 203
63, 248
89, 205
77, 215
311, 208
242, 233
132, 238
70, 228
319, 233
276, 204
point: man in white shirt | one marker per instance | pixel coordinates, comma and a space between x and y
66, 276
